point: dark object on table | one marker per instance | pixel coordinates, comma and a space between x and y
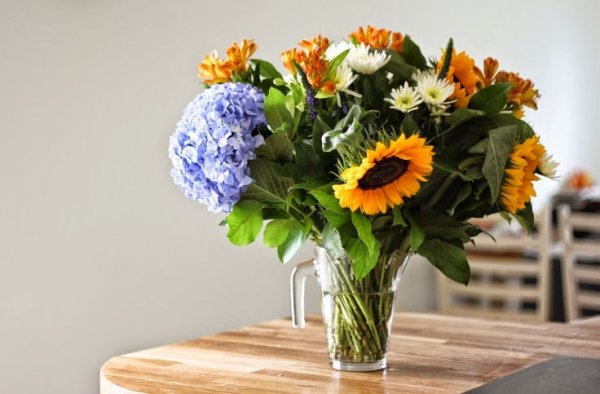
560, 375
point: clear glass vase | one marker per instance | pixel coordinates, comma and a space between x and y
357, 313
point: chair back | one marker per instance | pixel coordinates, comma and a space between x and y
509, 277
580, 238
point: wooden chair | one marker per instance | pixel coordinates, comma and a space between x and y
504, 283
580, 262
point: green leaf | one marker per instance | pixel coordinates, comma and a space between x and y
502, 141
278, 116
450, 168
292, 244
491, 99
267, 186
267, 70
244, 221
335, 215
480, 147
411, 53
409, 126
276, 232
524, 129
525, 218
277, 147
448, 53
334, 63
416, 235
448, 257
361, 257
363, 228
463, 115
399, 67
319, 128
440, 225
347, 131
398, 218
464, 192
332, 242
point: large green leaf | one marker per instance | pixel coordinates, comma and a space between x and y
525, 218
335, 215
411, 53
362, 259
448, 257
401, 70
409, 126
278, 116
292, 244
267, 70
277, 231
277, 147
363, 227
267, 185
440, 225
244, 221
502, 141
463, 115
491, 99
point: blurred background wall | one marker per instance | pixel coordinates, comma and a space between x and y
101, 254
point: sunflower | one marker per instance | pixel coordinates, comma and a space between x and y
462, 73
519, 175
386, 176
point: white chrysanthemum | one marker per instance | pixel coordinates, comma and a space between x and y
343, 79
432, 90
336, 48
365, 60
404, 99
548, 166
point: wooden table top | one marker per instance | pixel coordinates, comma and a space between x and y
428, 353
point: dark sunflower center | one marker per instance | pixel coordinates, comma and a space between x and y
384, 172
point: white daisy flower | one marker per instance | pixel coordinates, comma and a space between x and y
548, 166
364, 60
404, 99
336, 48
343, 79
432, 90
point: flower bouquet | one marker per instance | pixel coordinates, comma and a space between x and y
368, 149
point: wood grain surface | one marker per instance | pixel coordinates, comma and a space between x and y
429, 353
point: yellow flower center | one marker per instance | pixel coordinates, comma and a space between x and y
384, 172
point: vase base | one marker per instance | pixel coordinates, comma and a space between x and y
359, 367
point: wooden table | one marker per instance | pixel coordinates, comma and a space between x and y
429, 353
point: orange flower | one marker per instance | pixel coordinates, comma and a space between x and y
580, 180
311, 58
215, 70
378, 38
522, 93
462, 73
238, 54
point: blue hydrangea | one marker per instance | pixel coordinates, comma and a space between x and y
213, 142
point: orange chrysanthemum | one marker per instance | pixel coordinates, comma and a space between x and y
310, 57
517, 188
522, 93
378, 38
215, 70
463, 75
387, 175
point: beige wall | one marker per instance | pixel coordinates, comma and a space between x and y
100, 254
